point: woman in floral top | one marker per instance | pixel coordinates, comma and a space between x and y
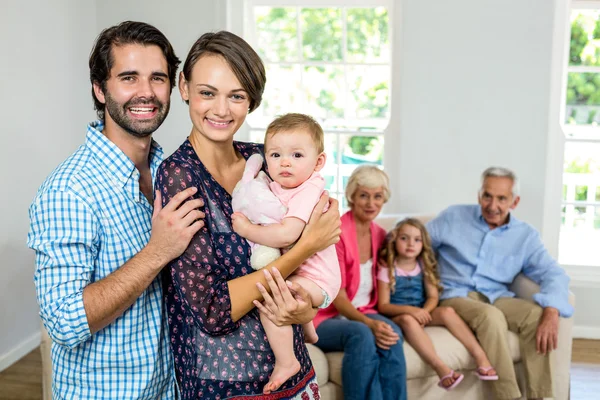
220, 348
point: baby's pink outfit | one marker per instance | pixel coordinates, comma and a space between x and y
323, 267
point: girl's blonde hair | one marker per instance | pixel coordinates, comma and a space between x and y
426, 258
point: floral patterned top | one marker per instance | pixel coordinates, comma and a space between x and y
215, 357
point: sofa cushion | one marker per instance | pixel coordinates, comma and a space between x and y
451, 351
319, 364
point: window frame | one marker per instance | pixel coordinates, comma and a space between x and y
581, 275
249, 33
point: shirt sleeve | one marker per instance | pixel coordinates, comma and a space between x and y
64, 232
303, 202
435, 228
383, 274
200, 281
553, 281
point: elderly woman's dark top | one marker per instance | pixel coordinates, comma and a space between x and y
215, 357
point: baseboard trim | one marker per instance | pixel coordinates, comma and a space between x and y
586, 332
15, 354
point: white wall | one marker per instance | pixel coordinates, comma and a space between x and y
471, 89
478, 83
182, 22
44, 107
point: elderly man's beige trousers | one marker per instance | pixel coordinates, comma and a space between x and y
491, 324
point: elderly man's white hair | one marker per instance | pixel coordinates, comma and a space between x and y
501, 173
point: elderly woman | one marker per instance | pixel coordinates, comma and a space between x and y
373, 366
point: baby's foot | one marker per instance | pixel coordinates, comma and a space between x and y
281, 373
311, 336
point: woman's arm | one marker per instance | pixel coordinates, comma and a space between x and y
287, 304
322, 230
199, 278
385, 337
344, 306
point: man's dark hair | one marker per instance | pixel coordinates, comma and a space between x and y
128, 32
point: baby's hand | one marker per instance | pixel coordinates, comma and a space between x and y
240, 223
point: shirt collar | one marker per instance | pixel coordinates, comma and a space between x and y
112, 158
509, 224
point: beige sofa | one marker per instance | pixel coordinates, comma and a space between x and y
421, 379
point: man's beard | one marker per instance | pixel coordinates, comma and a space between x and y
137, 128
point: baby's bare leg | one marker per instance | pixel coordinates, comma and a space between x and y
316, 297
281, 340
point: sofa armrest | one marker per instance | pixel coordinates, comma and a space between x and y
45, 349
525, 288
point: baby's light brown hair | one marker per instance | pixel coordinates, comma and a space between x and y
295, 121
388, 253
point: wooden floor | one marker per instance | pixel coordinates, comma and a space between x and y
23, 380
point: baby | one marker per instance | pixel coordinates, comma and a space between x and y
294, 153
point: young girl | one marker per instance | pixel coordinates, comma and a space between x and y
408, 294
294, 153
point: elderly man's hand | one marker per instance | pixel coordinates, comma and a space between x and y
546, 336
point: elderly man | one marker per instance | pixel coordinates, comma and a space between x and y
481, 249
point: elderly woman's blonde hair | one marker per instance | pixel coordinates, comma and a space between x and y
369, 176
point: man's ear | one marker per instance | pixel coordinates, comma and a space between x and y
515, 203
320, 161
183, 88
99, 93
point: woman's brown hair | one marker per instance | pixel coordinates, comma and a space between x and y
426, 258
241, 57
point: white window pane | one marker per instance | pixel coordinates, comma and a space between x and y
585, 32
583, 99
369, 92
322, 34
324, 93
277, 33
580, 216
283, 94
358, 149
368, 35
257, 136
330, 170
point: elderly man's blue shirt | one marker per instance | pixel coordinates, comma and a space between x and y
473, 257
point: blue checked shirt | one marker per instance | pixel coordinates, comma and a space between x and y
473, 257
87, 219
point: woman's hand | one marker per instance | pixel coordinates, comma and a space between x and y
323, 228
385, 337
287, 304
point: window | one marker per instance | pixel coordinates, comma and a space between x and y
332, 62
580, 222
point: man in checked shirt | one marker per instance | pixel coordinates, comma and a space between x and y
99, 241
